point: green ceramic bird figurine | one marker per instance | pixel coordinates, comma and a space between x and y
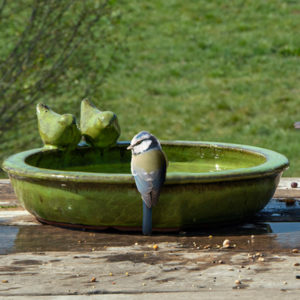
57, 131
100, 128
148, 167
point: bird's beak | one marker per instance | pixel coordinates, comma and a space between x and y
297, 125
129, 147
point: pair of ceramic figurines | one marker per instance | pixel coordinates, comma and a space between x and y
99, 128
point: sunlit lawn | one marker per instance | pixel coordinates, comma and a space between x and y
209, 70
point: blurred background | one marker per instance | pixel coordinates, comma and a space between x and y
226, 71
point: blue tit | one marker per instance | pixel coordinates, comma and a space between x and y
148, 166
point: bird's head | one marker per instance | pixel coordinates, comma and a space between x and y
142, 142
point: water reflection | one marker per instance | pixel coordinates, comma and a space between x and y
288, 234
8, 236
268, 236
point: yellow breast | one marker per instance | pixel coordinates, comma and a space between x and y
149, 161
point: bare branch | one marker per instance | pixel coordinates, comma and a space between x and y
44, 51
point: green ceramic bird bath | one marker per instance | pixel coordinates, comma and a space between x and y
207, 183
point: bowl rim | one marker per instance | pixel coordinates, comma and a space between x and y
274, 164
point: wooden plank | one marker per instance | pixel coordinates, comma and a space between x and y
6, 190
7, 195
284, 190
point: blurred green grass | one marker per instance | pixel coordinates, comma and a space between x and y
203, 70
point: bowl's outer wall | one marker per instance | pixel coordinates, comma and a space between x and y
179, 206
182, 204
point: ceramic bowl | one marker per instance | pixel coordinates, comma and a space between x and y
207, 183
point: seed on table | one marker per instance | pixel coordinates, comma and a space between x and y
4, 281
93, 279
238, 282
296, 264
226, 243
155, 247
295, 251
294, 184
290, 202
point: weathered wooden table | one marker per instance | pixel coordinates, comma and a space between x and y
45, 262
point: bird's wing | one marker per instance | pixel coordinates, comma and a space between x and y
166, 159
149, 184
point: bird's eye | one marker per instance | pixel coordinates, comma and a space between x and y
139, 142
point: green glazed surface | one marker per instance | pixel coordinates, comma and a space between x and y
57, 131
100, 128
206, 183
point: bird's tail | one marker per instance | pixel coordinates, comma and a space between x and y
147, 219
154, 197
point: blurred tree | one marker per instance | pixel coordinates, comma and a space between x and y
48, 55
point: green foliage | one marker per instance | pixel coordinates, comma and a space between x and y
195, 70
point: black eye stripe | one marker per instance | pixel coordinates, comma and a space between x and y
139, 142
